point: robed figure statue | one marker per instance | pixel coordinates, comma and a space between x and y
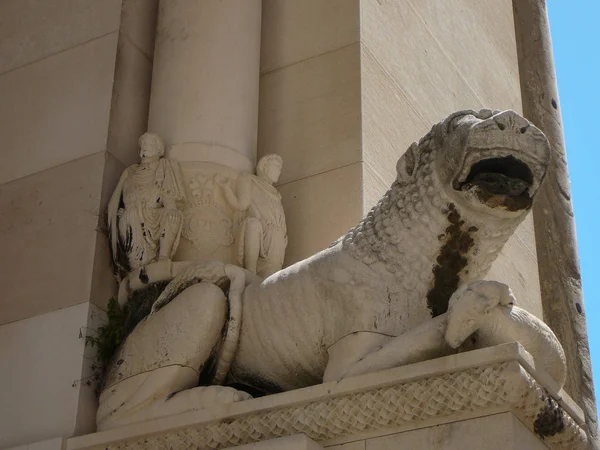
144, 222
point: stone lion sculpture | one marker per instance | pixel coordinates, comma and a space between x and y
459, 195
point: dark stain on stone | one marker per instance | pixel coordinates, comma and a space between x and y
554, 104
256, 385
451, 260
578, 307
209, 368
550, 420
509, 202
140, 303
144, 276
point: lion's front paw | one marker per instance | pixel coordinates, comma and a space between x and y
470, 306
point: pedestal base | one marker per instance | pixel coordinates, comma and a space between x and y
479, 399
502, 431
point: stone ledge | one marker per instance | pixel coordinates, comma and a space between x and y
472, 384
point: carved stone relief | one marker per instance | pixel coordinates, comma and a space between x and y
209, 224
262, 232
234, 217
379, 296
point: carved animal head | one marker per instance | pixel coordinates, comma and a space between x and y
470, 305
488, 161
459, 195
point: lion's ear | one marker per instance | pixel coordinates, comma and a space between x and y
406, 164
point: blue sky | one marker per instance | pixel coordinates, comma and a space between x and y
576, 40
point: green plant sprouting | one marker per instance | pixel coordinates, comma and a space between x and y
109, 336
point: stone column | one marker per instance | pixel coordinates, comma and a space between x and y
558, 261
204, 104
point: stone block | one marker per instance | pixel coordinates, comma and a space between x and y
390, 122
310, 114
294, 31
491, 72
42, 371
34, 29
49, 444
356, 445
48, 236
395, 36
314, 204
138, 23
43, 101
496, 432
295, 442
130, 101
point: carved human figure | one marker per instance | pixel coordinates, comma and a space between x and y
262, 238
143, 219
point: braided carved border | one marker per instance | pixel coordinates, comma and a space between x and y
443, 395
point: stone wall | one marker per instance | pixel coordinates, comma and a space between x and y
310, 113
74, 82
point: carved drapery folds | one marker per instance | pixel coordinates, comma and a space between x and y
143, 218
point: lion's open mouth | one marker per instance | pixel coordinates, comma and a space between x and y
503, 181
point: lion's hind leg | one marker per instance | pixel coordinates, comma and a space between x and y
163, 355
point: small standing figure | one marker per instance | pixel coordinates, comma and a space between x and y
143, 220
262, 238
